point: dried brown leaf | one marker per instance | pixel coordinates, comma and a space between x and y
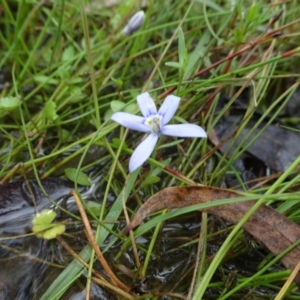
268, 226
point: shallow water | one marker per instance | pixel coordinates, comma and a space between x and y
29, 264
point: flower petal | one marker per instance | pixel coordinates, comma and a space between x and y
135, 22
142, 152
130, 121
168, 108
146, 105
184, 130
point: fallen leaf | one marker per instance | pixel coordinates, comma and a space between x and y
9, 103
268, 226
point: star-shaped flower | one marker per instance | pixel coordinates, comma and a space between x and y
155, 122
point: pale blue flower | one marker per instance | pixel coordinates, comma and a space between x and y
155, 122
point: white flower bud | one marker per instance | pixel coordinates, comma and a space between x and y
135, 22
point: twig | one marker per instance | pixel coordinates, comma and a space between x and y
99, 279
11, 173
95, 246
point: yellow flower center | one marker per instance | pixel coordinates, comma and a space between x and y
154, 122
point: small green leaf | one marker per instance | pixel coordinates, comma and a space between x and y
150, 181
40, 227
50, 111
94, 207
63, 72
116, 143
9, 103
117, 105
182, 52
53, 232
68, 53
65, 135
81, 179
46, 79
76, 92
45, 217
43, 226
131, 108
118, 82
108, 114
173, 64
198, 53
